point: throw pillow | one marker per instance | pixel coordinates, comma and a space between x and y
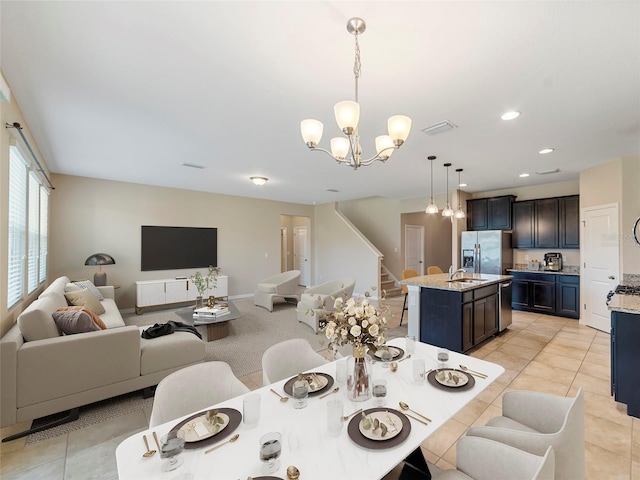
95, 318
88, 284
84, 298
74, 321
71, 287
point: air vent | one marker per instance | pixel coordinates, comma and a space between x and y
441, 127
332, 190
192, 165
548, 172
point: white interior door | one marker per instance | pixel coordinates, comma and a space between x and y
414, 248
301, 248
600, 263
284, 250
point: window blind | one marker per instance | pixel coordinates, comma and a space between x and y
33, 237
17, 226
44, 232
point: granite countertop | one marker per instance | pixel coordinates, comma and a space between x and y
568, 270
440, 281
625, 303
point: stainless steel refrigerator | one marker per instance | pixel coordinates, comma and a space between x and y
487, 251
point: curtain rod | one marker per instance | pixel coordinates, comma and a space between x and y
17, 126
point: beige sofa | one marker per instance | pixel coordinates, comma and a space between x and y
44, 372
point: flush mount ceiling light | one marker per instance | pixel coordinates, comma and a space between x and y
544, 151
459, 212
510, 115
347, 150
448, 211
259, 180
432, 208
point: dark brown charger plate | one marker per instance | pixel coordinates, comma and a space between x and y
432, 380
354, 431
288, 387
235, 417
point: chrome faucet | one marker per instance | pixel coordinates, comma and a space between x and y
452, 274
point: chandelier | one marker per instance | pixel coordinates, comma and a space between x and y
347, 150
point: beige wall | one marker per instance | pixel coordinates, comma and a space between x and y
437, 238
91, 215
10, 113
617, 182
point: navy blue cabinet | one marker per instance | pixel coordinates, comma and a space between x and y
458, 320
625, 358
546, 293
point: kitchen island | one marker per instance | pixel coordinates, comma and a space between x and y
457, 314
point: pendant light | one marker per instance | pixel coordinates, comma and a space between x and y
432, 208
448, 211
459, 212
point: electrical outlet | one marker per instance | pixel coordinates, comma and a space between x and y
526, 257
564, 258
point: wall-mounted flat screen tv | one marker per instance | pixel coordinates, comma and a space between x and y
174, 248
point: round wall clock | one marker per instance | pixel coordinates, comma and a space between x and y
636, 231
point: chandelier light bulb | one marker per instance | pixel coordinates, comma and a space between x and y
339, 147
311, 132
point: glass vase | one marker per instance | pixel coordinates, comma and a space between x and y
199, 303
359, 375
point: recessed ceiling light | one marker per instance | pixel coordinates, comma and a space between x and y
544, 151
510, 115
523, 175
259, 180
462, 185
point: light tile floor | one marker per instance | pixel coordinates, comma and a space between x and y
538, 352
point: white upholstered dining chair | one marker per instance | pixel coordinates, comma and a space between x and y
533, 421
288, 358
194, 388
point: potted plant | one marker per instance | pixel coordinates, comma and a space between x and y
205, 282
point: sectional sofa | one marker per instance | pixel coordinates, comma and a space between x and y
43, 371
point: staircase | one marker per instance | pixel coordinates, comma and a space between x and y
388, 285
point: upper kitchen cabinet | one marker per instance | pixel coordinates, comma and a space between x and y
547, 223
490, 213
569, 221
523, 224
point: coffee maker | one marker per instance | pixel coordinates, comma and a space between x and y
553, 261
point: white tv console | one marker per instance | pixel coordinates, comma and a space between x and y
153, 293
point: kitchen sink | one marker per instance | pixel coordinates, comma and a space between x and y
467, 280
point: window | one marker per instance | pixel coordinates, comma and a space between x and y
27, 232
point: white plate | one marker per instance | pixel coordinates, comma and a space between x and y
451, 378
199, 429
395, 353
390, 419
316, 382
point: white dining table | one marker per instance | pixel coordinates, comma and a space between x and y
306, 442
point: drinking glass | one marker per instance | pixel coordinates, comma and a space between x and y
251, 410
380, 392
334, 416
270, 449
443, 357
171, 445
411, 344
300, 392
418, 370
341, 371
385, 357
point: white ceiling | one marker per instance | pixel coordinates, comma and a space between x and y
128, 90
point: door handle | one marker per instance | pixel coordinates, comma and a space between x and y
612, 277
